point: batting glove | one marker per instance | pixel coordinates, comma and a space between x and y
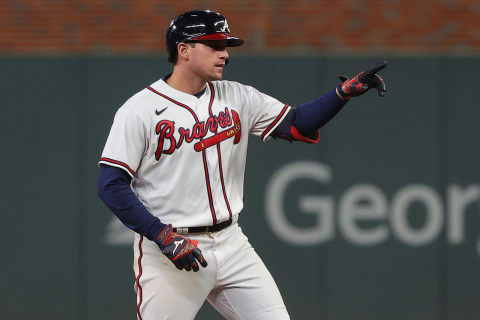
182, 251
362, 82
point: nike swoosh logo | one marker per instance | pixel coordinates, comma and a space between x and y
176, 243
160, 112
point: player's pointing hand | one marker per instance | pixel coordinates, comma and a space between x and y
362, 82
182, 251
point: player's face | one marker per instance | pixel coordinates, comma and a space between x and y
208, 59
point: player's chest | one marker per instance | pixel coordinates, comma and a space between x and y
180, 128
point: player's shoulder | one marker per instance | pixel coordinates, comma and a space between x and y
229, 84
141, 102
229, 88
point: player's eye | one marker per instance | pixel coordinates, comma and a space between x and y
217, 45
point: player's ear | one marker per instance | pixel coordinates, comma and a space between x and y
183, 50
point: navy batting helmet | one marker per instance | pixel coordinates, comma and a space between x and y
198, 25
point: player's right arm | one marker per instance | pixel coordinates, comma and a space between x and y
123, 152
114, 189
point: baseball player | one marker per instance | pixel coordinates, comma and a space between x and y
173, 168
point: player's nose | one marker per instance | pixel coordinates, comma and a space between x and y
224, 54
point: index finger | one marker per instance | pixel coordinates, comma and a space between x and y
377, 68
199, 256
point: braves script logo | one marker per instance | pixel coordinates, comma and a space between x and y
165, 130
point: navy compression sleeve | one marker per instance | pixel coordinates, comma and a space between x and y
311, 116
114, 189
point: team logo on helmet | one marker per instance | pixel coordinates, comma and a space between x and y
224, 28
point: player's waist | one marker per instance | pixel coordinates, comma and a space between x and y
214, 228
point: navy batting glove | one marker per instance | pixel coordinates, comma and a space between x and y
182, 251
362, 82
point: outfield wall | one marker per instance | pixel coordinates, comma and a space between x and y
377, 221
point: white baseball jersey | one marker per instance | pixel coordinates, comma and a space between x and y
187, 155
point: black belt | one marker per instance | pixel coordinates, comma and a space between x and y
214, 228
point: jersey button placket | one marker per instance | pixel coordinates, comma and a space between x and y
212, 160
210, 155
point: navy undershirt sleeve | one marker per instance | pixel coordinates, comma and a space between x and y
114, 189
311, 116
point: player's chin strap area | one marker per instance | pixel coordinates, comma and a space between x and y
215, 228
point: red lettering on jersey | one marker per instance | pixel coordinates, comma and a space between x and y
198, 131
212, 124
235, 131
183, 133
165, 129
237, 127
224, 119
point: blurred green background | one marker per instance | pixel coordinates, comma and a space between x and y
386, 206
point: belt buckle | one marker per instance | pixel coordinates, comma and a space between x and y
182, 230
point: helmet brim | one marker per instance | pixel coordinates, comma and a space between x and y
231, 41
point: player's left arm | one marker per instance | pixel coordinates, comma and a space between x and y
304, 122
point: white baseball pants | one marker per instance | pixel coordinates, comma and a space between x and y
235, 282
